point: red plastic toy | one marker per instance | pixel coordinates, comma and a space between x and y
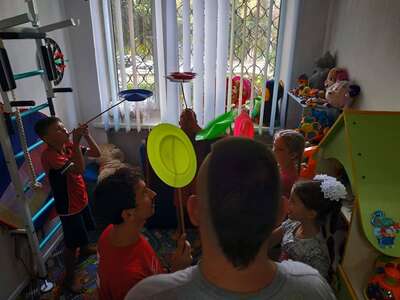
308, 169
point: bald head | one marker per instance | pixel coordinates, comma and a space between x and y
238, 184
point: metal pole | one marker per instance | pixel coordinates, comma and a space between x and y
121, 51
19, 190
231, 56
39, 43
133, 58
253, 77
244, 54
260, 124
279, 50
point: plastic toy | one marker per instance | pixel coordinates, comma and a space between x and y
255, 113
171, 155
308, 168
385, 283
311, 129
302, 81
181, 77
244, 126
385, 229
217, 127
316, 122
133, 95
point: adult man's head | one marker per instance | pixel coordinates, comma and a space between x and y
238, 201
123, 197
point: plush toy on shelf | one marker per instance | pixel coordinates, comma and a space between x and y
257, 102
341, 94
246, 90
323, 65
335, 75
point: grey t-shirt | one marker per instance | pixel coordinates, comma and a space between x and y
293, 281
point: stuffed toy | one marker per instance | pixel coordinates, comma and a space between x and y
335, 75
236, 90
269, 92
341, 94
110, 160
323, 65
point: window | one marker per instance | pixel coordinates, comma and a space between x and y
187, 29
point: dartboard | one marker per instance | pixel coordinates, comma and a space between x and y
58, 57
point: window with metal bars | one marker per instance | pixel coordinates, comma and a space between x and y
251, 50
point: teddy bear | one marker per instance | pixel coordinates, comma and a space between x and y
335, 75
323, 65
111, 159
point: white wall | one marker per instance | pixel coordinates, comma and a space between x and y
310, 36
84, 64
366, 36
22, 55
307, 36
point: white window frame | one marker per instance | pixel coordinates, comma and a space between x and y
161, 86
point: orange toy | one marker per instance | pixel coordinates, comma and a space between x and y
385, 284
309, 167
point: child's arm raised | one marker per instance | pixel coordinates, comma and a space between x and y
94, 150
77, 156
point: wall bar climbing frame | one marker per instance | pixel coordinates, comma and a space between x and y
14, 21
19, 76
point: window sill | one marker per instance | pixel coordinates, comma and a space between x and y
149, 126
122, 125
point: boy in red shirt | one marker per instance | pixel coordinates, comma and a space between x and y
125, 256
64, 165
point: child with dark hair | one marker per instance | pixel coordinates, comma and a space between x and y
125, 257
288, 147
312, 204
63, 161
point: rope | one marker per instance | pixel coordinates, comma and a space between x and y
22, 137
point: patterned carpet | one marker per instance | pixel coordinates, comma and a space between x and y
162, 242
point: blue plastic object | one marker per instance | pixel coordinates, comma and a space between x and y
135, 95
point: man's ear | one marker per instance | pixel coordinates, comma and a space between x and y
128, 214
193, 207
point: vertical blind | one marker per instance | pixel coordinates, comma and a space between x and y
207, 29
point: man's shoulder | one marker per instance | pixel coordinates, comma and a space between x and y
305, 279
163, 284
298, 269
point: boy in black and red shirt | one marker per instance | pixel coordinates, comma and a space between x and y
63, 162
